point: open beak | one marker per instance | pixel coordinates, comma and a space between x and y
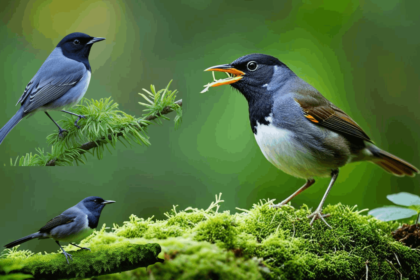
108, 202
95, 40
233, 73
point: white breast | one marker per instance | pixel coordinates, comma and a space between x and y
281, 149
86, 80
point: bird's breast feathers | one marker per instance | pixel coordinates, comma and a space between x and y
284, 151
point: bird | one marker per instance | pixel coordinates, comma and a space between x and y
62, 81
297, 129
72, 226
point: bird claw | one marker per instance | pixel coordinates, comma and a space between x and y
84, 248
279, 205
67, 255
318, 215
78, 119
60, 133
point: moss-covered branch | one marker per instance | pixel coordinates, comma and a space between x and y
102, 128
266, 243
109, 254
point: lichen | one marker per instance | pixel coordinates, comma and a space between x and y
263, 243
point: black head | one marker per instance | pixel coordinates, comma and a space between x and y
77, 45
252, 74
95, 204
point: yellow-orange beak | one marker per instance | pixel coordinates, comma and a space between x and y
235, 75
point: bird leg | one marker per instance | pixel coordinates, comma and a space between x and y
308, 183
83, 248
64, 253
78, 117
318, 212
60, 130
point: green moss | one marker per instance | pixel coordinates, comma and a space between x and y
277, 244
262, 243
109, 254
219, 228
188, 259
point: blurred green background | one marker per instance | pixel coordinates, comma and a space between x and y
362, 55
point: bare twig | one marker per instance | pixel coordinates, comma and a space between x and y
392, 265
367, 269
397, 258
294, 229
93, 144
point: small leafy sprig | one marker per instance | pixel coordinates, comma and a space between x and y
392, 213
104, 126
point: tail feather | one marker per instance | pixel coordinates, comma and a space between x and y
393, 164
22, 240
11, 124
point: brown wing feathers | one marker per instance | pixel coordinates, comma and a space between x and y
332, 117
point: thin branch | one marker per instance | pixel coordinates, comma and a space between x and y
397, 258
392, 265
93, 144
367, 269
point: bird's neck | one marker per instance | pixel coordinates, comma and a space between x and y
259, 110
82, 57
93, 219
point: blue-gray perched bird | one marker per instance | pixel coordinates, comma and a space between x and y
72, 226
298, 130
61, 81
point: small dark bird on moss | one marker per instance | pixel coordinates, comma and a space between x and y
61, 81
298, 130
72, 226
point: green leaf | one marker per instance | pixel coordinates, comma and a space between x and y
392, 213
404, 198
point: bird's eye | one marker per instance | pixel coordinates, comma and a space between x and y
95, 200
77, 42
252, 66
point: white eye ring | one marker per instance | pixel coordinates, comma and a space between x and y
250, 66
76, 42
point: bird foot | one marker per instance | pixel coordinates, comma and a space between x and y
67, 255
84, 248
318, 215
61, 133
78, 119
279, 205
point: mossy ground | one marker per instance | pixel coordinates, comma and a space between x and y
266, 243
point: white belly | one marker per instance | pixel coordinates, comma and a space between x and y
284, 152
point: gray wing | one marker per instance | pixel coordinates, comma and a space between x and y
56, 76
57, 221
